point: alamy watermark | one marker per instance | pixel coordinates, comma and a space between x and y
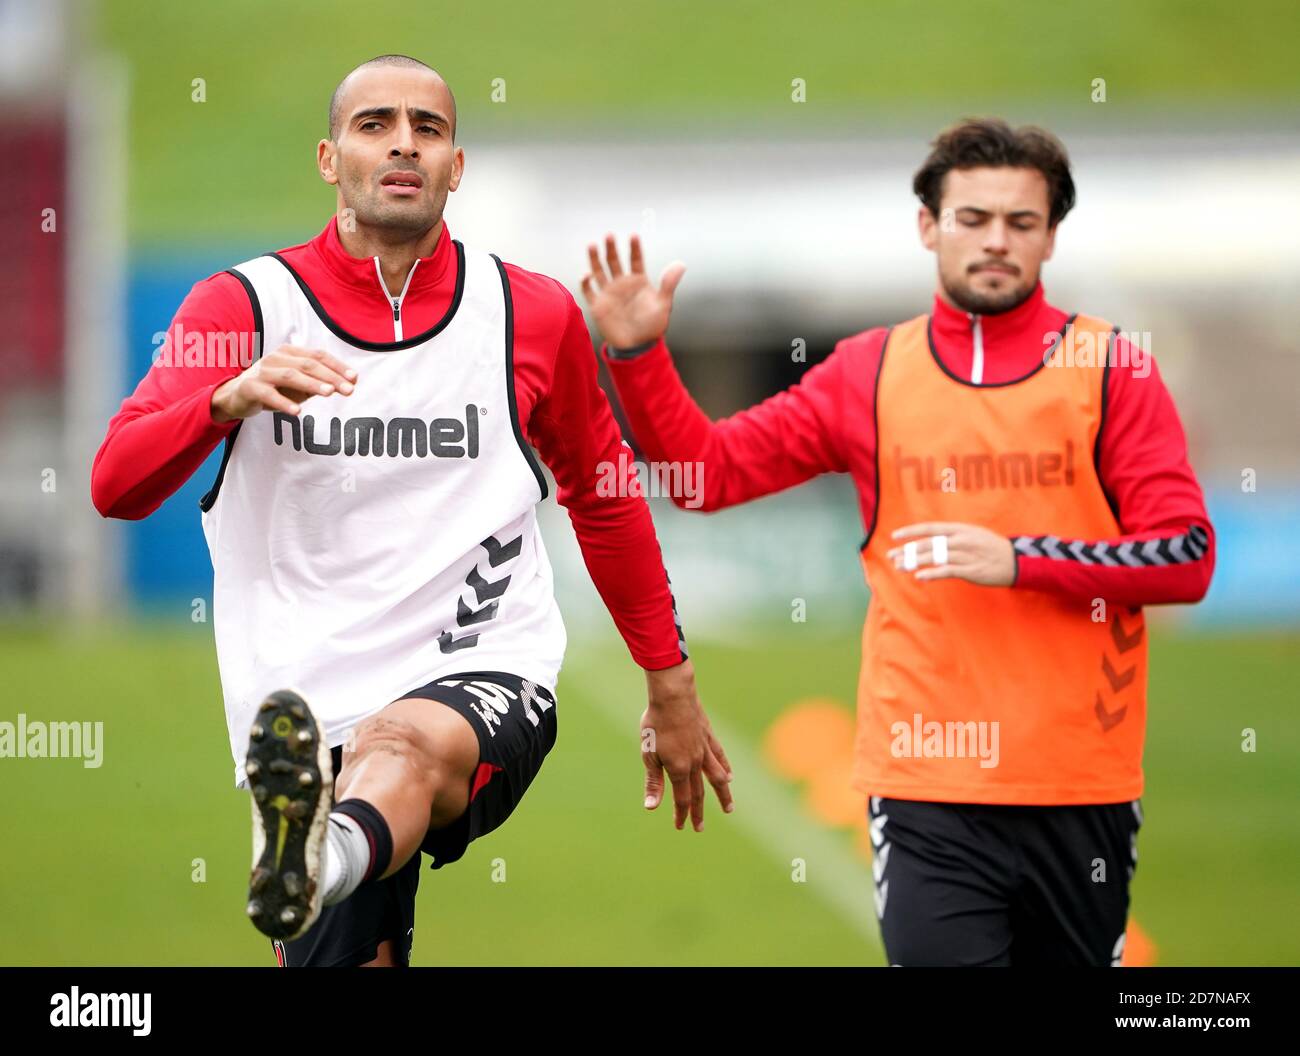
35, 739
75, 1009
674, 480
945, 740
178, 347
1128, 348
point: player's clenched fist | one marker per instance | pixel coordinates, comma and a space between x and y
280, 381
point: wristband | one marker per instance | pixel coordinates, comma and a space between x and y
631, 353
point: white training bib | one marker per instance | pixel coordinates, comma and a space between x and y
380, 540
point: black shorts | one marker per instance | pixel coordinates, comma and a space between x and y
516, 727
975, 884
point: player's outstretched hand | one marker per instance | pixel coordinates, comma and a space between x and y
629, 309
676, 737
280, 381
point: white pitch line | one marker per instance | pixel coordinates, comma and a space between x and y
770, 813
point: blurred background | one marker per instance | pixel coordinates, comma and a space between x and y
770, 146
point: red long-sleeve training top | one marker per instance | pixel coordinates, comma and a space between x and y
803, 432
164, 430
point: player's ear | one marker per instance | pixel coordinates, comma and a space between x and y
325, 151
928, 227
457, 168
1051, 243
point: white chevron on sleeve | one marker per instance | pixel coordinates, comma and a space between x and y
1125, 552
1151, 551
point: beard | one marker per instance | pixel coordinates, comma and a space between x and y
991, 303
403, 217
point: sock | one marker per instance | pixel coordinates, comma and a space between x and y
358, 847
347, 856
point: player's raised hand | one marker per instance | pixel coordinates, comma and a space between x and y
629, 309
281, 381
676, 737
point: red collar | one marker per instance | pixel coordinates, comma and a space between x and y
432, 272
1012, 341
950, 322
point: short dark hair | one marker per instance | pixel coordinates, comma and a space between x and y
336, 115
991, 142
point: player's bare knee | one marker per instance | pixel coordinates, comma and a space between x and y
394, 736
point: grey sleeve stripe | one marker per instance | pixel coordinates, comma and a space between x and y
1170, 550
